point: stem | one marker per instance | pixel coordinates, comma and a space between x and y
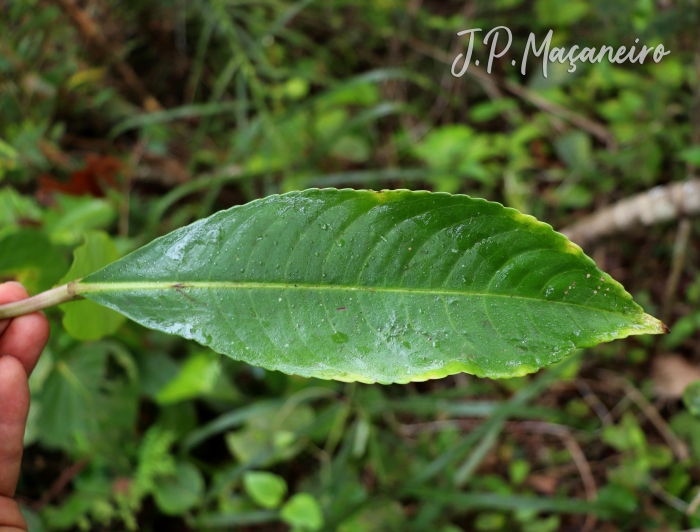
50, 298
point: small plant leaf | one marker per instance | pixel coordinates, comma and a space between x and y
28, 256
197, 377
391, 286
266, 489
180, 492
84, 320
79, 378
302, 512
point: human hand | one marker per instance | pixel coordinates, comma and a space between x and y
22, 340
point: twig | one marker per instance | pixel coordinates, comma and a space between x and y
560, 431
671, 500
680, 250
578, 457
680, 450
677, 446
621, 406
94, 34
486, 82
491, 87
448, 81
693, 504
60, 483
594, 402
594, 128
660, 204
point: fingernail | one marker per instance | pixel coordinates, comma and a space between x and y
15, 283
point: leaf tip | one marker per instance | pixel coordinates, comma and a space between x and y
654, 326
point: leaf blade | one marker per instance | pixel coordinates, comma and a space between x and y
391, 286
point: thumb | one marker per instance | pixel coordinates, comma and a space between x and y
14, 407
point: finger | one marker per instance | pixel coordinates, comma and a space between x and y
14, 407
24, 337
9, 292
11, 519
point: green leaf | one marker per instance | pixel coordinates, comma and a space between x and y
691, 398
32, 518
383, 516
352, 148
691, 155
79, 405
28, 256
619, 498
391, 286
155, 459
272, 434
75, 216
549, 524
553, 13
8, 158
73, 384
518, 471
266, 489
85, 320
156, 371
302, 511
457, 150
574, 149
625, 436
178, 493
15, 208
489, 521
196, 377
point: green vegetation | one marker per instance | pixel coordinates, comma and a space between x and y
127, 120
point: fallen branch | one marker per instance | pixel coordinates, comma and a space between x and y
660, 204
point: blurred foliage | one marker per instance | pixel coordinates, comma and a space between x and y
255, 98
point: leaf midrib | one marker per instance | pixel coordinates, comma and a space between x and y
83, 288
